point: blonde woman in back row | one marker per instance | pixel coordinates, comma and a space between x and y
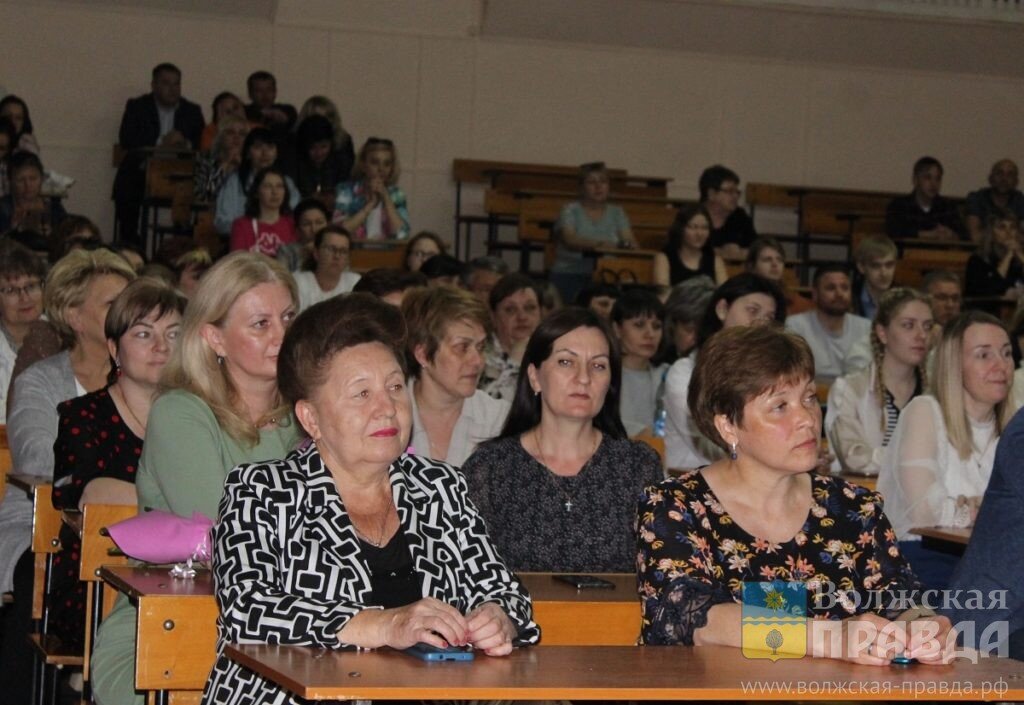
863, 407
939, 461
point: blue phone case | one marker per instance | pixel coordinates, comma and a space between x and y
428, 652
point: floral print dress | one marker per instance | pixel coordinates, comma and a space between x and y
693, 556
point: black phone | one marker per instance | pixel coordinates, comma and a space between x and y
586, 582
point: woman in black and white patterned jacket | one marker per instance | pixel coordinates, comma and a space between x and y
349, 542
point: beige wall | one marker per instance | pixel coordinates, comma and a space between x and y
420, 72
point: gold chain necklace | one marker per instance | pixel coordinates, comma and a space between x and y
383, 525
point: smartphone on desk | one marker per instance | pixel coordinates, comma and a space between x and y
586, 582
429, 652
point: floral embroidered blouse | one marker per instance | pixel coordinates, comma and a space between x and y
693, 556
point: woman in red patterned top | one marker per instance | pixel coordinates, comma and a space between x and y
99, 438
267, 223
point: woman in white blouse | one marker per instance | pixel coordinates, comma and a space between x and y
940, 457
445, 348
863, 407
330, 276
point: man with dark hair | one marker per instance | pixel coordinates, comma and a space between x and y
839, 340
389, 284
1001, 195
947, 295
924, 213
160, 118
264, 108
481, 274
732, 230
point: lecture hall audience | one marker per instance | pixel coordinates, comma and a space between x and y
219, 391
479, 366
78, 292
403, 555
100, 434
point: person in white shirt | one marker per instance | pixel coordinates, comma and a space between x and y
331, 275
863, 407
838, 338
939, 460
445, 349
745, 300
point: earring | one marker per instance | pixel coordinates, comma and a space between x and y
536, 392
220, 359
732, 451
117, 366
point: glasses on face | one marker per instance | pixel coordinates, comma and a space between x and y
731, 191
15, 292
334, 251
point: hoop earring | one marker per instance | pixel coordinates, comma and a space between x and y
732, 451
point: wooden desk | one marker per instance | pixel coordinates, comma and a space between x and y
174, 614
944, 539
177, 626
614, 673
594, 617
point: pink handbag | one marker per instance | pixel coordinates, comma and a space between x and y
161, 537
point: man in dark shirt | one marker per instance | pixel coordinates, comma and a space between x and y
732, 230
924, 213
160, 118
264, 108
1001, 195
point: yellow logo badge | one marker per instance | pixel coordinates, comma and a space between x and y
774, 620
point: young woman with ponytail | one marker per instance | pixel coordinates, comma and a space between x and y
863, 407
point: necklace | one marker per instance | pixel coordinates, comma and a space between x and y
568, 504
128, 406
383, 526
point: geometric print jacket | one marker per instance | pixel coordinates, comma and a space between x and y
287, 567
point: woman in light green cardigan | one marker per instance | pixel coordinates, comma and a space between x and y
220, 408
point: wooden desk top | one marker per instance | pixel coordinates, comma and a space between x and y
544, 588
136, 582
944, 533
613, 673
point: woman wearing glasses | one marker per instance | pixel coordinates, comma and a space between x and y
371, 206
330, 275
21, 304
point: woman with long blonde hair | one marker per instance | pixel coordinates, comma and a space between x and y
863, 407
219, 406
939, 460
